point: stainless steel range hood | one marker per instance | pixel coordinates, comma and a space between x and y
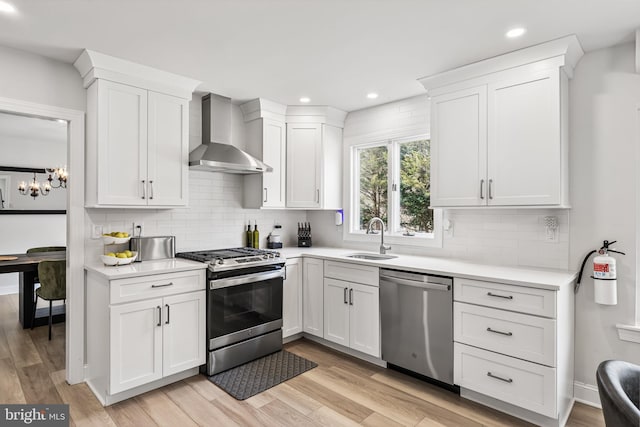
216, 154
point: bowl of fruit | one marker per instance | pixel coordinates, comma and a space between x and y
119, 258
115, 237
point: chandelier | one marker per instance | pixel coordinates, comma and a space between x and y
34, 188
57, 174
58, 178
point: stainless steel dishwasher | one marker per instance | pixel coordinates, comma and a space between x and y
417, 323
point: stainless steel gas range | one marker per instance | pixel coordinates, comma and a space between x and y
244, 305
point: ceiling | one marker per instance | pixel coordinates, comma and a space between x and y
333, 51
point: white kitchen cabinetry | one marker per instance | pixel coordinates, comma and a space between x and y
352, 310
266, 140
137, 147
499, 129
137, 133
514, 348
292, 298
314, 157
312, 296
144, 332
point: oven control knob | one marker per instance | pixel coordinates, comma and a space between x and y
271, 255
265, 256
277, 254
220, 261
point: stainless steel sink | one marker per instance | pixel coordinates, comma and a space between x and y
371, 256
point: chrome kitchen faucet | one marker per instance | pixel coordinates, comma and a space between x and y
383, 248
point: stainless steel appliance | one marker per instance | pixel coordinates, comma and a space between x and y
244, 305
417, 323
153, 247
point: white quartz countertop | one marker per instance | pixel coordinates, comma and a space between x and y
144, 268
532, 277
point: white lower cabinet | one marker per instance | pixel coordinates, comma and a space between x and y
292, 298
156, 337
352, 315
513, 348
312, 296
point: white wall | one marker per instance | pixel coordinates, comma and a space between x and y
34, 78
605, 95
506, 237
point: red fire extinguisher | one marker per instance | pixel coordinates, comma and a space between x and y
604, 274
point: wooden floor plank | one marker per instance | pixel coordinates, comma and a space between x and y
260, 399
585, 416
329, 357
84, 408
445, 399
37, 385
286, 415
198, 408
326, 396
243, 413
51, 352
128, 413
10, 387
328, 417
204, 387
377, 420
163, 410
295, 399
23, 351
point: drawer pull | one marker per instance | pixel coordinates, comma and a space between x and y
500, 332
506, 380
491, 294
162, 286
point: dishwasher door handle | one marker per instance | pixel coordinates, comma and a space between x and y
416, 284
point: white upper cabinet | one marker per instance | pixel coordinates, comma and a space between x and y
314, 157
137, 133
499, 129
266, 140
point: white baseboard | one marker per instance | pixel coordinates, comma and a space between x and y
587, 394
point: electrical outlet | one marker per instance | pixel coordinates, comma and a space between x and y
138, 227
96, 232
551, 228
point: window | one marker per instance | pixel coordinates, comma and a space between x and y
391, 180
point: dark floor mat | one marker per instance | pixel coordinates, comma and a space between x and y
255, 377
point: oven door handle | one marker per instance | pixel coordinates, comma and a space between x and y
242, 280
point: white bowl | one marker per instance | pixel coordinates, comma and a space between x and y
114, 261
110, 240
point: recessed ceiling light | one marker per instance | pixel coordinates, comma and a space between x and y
7, 7
515, 32
305, 99
372, 95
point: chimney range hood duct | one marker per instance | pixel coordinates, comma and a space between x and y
216, 154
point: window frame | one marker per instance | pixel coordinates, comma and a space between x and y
393, 233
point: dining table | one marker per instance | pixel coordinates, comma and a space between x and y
27, 265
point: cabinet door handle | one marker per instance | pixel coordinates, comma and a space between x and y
168, 314
345, 295
159, 316
317, 195
491, 294
265, 195
144, 189
490, 186
506, 380
150, 189
163, 285
500, 332
285, 274
351, 296
482, 189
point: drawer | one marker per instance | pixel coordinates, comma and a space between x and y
156, 285
519, 335
541, 302
524, 384
355, 273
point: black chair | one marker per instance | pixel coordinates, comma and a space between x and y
619, 390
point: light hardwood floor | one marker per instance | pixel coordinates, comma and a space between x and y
341, 391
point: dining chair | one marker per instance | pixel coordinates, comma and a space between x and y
47, 249
53, 286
